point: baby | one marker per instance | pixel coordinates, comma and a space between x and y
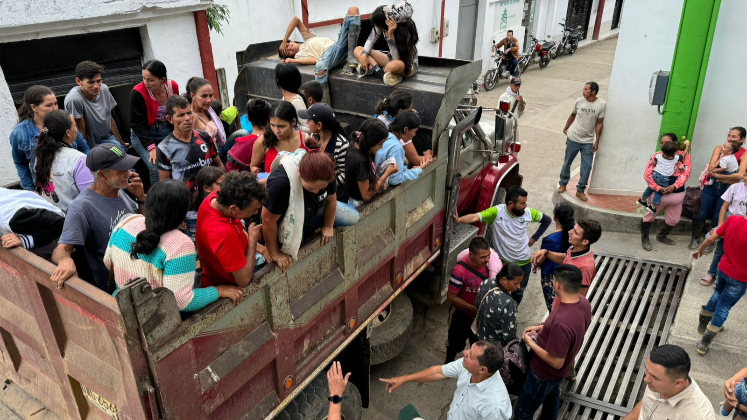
740, 392
727, 163
665, 166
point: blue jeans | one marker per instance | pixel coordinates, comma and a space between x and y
345, 215
717, 254
711, 201
660, 180
538, 392
337, 53
230, 141
511, 64
727, 294
587, 157
110, 139
157, 132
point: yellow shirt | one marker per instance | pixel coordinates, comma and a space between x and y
313, 46
690, 404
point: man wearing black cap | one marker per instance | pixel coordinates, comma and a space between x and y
513, 97
94, 213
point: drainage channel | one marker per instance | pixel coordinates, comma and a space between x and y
633, 305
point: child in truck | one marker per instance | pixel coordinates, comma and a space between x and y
324, 53
402, 130
665, 163
361, 180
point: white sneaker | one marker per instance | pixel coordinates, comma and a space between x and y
392, 79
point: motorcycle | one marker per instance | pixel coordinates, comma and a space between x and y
569, 41
538, 52
499, 71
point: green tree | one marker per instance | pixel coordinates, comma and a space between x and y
217, 16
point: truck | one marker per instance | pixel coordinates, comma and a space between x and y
78, 352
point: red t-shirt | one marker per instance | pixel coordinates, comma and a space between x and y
739, 154
240, 155
562, 336
465, 283
585, 262
221, 244
734, 261
272, 153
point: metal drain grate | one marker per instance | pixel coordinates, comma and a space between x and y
633, 305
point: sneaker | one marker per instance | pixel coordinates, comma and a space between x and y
642, 202
581, 196
651, 208
392, 79
561, 189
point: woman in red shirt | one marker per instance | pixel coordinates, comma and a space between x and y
279, 136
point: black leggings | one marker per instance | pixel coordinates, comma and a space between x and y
460, 330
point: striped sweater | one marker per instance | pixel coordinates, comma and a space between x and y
171, 265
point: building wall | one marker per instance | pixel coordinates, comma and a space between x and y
551, 12
167, 30
646, 44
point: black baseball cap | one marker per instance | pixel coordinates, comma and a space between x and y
516, 81
110, 156
320, 113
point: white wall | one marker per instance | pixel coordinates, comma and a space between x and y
173, 40
631, 126
8, 118
722, 104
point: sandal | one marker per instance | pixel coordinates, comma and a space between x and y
707, 280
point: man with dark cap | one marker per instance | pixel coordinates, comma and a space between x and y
515, 101
94, 213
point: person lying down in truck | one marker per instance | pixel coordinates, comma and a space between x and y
29, 221
324, 53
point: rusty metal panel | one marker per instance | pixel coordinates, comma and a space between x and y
69, 348
633, 305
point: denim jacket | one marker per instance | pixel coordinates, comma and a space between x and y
23, 147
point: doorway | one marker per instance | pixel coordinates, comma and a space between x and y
467, 30
616, 14
579, 13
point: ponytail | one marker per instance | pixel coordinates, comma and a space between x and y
165, 210
55, 126
193, 85
510, 271
34, 95
395, 102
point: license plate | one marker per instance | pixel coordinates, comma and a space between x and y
100, 402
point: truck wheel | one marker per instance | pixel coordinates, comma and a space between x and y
312, 403
390, 330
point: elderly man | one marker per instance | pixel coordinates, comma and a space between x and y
480, 393
516, 103
670, 392
94, 213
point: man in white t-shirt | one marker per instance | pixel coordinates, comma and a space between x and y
585, 121
324, 53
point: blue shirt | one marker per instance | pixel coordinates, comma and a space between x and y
392, 148
553, 243
23, 149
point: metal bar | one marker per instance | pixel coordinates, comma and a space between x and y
591, 402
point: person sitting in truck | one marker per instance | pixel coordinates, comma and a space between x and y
200, 96
94, 213
207, 180
362, 182
302, 199
92, 104
288, 80
324, 53
313, 92
239, 157
509, 223
388, 108
153, 247
325, 129
227, 251
61, 172
401, 132
480, 392
279, 136
466, 277
496, 310
29, 221
396, 24
37, 102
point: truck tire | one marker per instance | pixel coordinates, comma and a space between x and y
389, 337
312, 403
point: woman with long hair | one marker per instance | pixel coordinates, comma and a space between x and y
148, 113
152, 246
200, 96
302, 198
403, 129
362, 182
496, 309
279, 136
396, 24
61, 172
555, 242
388, 108
38, 101
288, 80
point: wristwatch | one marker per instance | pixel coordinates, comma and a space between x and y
335, 399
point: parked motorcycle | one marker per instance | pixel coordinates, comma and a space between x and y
570, 41
499, 71
538, 52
